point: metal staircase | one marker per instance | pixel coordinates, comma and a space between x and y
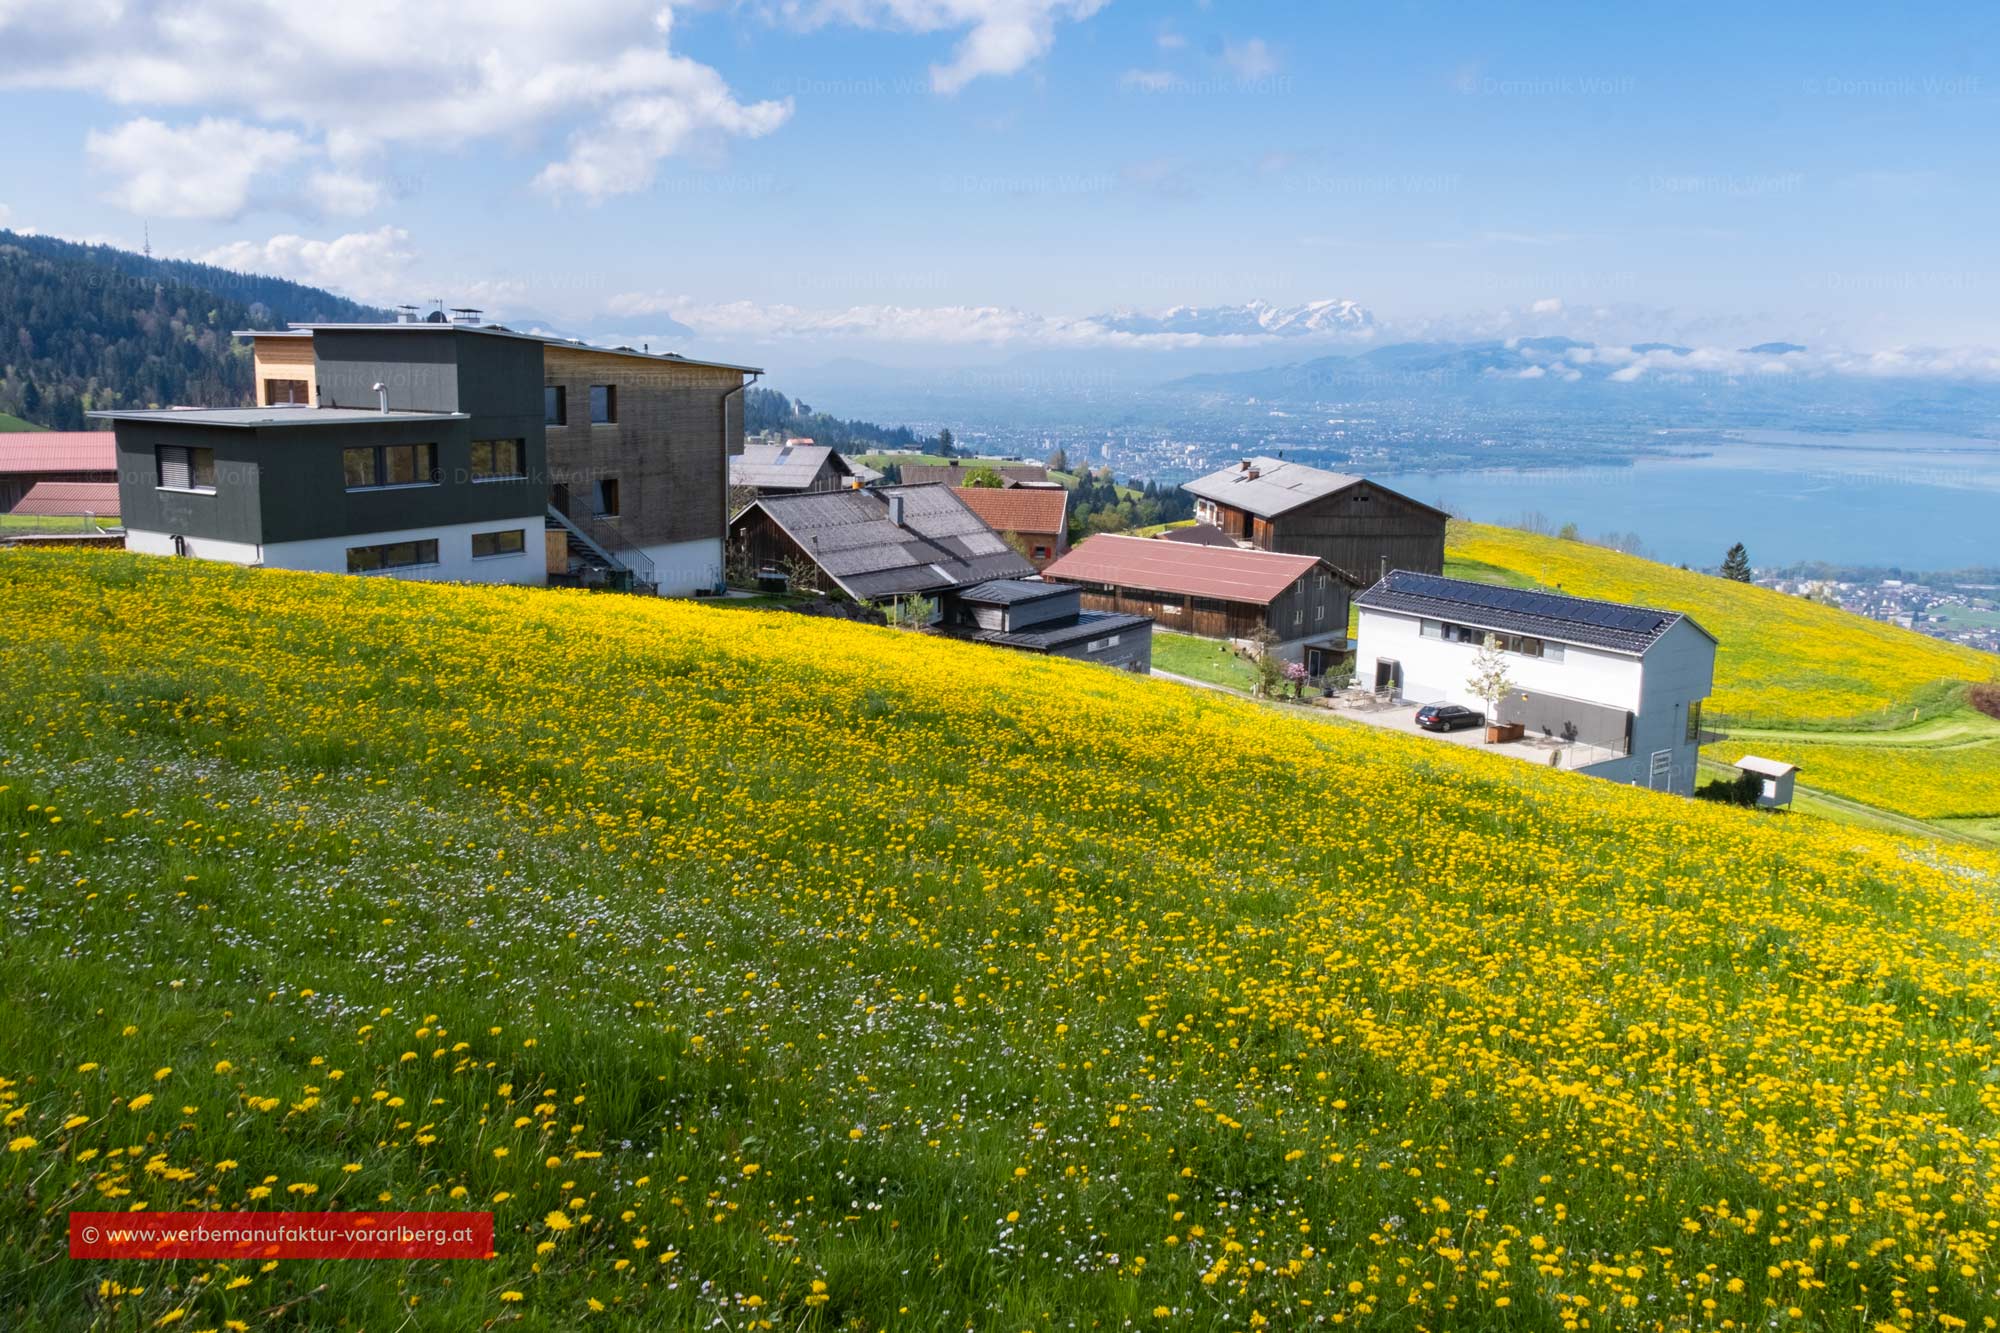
596, 554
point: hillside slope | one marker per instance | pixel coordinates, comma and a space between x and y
90, 326
756, 967
1783, 660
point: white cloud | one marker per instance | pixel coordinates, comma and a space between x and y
1006, 35
366, 265
1548, 305
370, 73
344, 193
1251, 60
204, 170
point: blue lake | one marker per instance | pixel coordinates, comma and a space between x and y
1922, 502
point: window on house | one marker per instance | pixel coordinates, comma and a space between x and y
1322, 612
394, 555
1299, 618
511, 542
285, 391
555, 405
183, 468
1694, 722
603, 404
1041, 553
607, 498
375, 465
495, 459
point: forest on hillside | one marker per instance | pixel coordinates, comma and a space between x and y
90, 326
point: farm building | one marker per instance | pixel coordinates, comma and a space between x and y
1626, 681
1217, 592
1037, 617
1776, 779
879, 544
1347, 521
789, 469
1037, 515
29, 458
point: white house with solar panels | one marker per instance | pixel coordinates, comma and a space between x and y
1622, 685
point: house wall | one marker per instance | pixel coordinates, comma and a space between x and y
1434, 671
1132, 652
669, 449
682, 569
284, 358
417, 365
1313, 609
328, 555
1679, 672
1364, 530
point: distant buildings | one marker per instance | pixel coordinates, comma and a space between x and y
1628, 681
1350, 522
1036, 518
956, 471
30, 458
443, 449
1216, 592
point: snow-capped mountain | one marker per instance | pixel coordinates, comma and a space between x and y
1257, 319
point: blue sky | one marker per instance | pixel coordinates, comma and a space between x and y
760, 172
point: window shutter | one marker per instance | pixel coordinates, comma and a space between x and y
176, 471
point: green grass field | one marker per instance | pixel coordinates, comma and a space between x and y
13, 423
1201, 659
757, 971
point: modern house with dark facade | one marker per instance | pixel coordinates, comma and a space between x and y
1216, 592
1031, 616
418, 437
1350, 522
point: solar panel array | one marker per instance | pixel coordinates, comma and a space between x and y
1545, 614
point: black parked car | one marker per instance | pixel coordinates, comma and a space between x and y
1449, 717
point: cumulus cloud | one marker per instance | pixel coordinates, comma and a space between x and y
1251, 60
1004, 37
344, 193
204, 170
366, 265
370, 73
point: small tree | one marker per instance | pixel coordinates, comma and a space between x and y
1295, 674
911, 612
1059, 460
1736, 565
801, 574
984, 478
1265, 663
1568, 532
944, 444
738, 569
1490, 683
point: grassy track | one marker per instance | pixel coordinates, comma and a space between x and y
760, 971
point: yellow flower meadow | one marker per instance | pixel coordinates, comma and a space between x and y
1037, 995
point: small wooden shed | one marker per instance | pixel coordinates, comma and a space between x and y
1776, 779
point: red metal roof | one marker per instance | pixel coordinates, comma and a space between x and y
1178, 567
59, 451
69, 499
1022, 509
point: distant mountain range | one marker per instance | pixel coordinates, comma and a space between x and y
1256, 319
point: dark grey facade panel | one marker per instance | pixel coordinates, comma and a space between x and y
233, 513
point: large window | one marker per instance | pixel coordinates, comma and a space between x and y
603, 404
394, 555
182, 468
511, 542
377, 465
493, 460
555, 405
607, 498
1522, 645
1694, 722
285, 391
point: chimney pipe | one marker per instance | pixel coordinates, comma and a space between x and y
896, 510
382, 394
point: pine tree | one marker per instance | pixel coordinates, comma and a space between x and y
1736, 565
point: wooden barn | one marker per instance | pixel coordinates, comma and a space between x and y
1217, 592
1350, 522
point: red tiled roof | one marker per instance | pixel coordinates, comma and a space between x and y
1232, 575
59, 451
69, 499
1023, 509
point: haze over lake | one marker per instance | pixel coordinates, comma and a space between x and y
1891, 498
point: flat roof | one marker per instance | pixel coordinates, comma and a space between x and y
251, 417
491, 330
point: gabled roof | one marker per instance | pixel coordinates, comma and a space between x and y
1766, 768
1231, 574
941, 544
1028, 509
1268, 487
782, 467
69, 499
1199, 534
58, 451
1614, 626
957, 470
